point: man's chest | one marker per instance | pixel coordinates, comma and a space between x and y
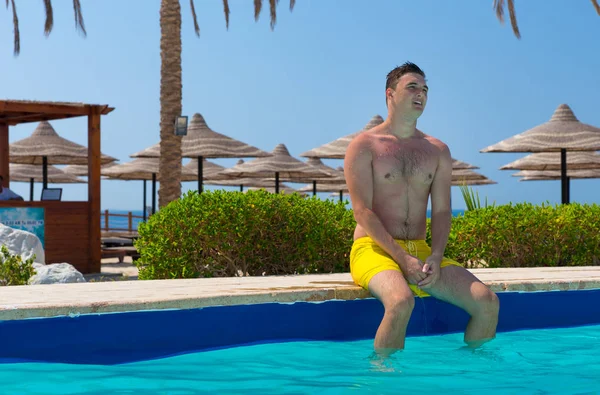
405, 163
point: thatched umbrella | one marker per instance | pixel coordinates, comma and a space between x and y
282, 188
82, 170
202, 142
45, 147
551, 161
548, 175
460, 165
337, 188
217, 179
34, 173
209, 169
466, 174
280, 163
484, 181
142, 169
334, 176
562, 133
337, 148
555, 174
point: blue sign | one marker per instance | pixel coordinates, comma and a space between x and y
30, 219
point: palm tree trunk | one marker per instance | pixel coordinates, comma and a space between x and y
169, 175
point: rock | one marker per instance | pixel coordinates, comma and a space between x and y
20, 242
56, 273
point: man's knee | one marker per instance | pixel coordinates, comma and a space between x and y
400, 303
488, 304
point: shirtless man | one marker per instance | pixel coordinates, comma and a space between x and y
390, 171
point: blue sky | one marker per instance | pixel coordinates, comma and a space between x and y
319, 76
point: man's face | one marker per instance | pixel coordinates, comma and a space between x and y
410, 95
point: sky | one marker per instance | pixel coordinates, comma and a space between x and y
319, 75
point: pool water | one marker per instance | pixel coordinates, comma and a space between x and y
531, 361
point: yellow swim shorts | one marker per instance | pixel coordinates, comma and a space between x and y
367, 259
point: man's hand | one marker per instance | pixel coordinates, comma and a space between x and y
412, 268
433, 270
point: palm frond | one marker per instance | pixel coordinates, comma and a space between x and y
226, 10
499, 7
7, 4
596, 6
17, 43
273, 6
196, 26
257, 9
293, 3
513, 17
79, 17
49, 17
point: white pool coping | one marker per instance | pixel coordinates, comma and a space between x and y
36, 301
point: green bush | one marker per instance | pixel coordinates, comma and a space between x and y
13, 271
526, 235
219, 233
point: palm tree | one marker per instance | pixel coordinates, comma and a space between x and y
170, 80
499, 6
170, 74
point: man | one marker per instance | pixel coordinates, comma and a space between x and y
391, 170
7, 194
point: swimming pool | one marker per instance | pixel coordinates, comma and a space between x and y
307, 347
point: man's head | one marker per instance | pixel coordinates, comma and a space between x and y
406, 89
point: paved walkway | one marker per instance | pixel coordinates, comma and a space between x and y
18, 302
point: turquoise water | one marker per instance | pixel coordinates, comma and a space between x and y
523, 362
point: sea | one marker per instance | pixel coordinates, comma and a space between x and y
122, 222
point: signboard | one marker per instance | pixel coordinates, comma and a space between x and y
30, 219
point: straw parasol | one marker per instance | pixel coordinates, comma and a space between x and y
34, 173
45, 147
334, 176
338, 188
218, 179
337, 148
484, 181
280, 163
551, 161
282, 188
555, 174
548, 175
82, 170
142, 169
209, 169
202, 142
562, 133
466, 174
459, 165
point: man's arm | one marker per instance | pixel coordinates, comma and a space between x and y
12, 195
441, 207
358, 170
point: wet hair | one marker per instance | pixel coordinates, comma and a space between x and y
394, 76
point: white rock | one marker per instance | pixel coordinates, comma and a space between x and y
20, 242
56, 273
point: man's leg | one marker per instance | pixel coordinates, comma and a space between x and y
390, 287
461, 288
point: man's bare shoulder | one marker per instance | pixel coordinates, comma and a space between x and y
363, 142
443, 147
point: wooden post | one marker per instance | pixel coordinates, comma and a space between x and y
130, 222
94, 189
106, 220
4, 166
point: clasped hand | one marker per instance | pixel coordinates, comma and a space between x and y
424, 275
